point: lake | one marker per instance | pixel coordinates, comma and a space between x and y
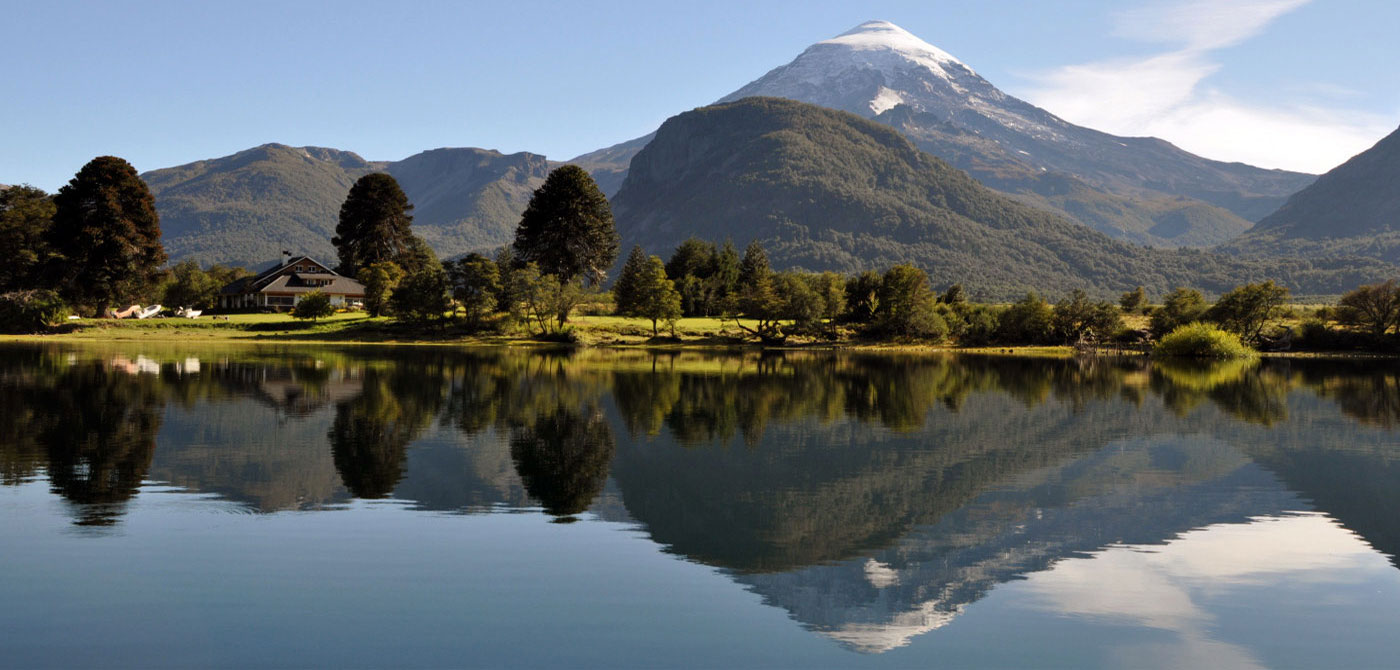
274, 506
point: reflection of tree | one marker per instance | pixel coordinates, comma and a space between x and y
563, 458
1368, 391
372, 430
1239, 387
99, 432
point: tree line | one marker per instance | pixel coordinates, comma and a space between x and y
96, 243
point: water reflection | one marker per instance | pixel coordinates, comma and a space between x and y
873, 498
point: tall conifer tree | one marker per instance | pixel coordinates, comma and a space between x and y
105, 234
375, 226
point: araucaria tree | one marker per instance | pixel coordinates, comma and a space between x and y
567, 230
105, 235
375, 225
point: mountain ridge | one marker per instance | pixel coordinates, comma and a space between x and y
245, 208
824, 189
1352, 209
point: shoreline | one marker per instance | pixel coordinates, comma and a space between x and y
200, 336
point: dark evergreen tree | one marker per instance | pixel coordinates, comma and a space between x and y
26, 213
375, 226
724, 281
694, 257
105, 235
567, 229
627, 289
757, 297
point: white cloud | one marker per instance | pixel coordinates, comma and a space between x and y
1164, 95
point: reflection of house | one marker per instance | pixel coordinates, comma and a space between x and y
281, 286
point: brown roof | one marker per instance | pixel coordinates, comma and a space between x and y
265, 280
290, 284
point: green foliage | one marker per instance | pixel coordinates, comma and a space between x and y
476, 282
105, 235
758, 298
1028, 321
1077, 317
1245, 310
1202, 340
827, 190
977, 327
1375, 308
627, 289
1133, 300
1180, 307
380, 279
312, 306
568, 228
190, 286
657, 298
26, 214
907, 306
538, 299
31, 310
423, 295
863, 297
375, 225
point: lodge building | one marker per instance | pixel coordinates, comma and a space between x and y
281, 286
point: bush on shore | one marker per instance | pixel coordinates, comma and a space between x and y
1202, 340
31, 311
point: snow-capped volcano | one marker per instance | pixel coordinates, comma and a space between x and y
1139, 189
877, 66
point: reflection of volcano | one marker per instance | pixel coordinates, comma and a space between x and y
880, 602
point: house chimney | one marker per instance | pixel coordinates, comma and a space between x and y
286, 257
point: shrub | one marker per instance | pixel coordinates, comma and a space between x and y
1202, 340
31, 311
314, 305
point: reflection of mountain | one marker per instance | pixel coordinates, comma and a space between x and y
879, 602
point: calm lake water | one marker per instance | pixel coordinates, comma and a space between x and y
168, 506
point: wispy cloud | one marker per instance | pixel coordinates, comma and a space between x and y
1168, 95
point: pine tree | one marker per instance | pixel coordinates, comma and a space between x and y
375, 226
105, 234
757, 298
627, 289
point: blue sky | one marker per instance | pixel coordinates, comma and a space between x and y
1278, 83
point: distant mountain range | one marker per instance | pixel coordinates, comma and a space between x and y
246, 208
1137, 189
1353, 209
